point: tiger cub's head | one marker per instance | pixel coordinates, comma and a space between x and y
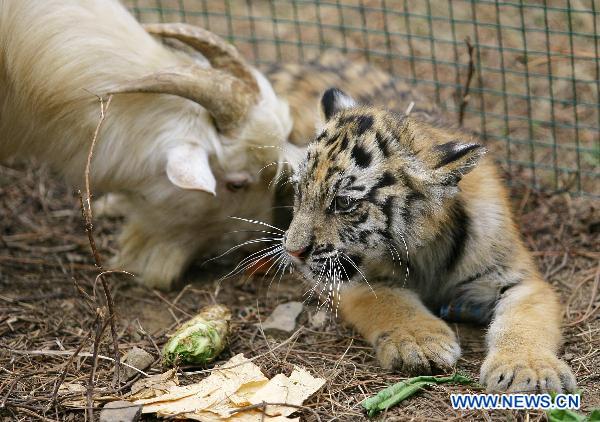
369, 182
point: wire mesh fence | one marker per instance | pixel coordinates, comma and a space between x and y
535, 93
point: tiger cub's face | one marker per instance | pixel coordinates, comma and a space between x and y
371, 184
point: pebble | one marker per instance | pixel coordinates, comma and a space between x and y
121, 411
283, 318
138, 358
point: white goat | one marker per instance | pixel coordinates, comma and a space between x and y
182, 141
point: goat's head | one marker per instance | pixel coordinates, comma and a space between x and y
250, 121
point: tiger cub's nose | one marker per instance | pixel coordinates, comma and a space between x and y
299, 253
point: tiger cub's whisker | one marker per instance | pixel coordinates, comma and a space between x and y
248, 220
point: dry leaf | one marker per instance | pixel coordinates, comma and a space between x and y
76, 394
293, 390
235, 385
155, 385
212, 393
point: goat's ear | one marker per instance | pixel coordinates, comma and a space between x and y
188, 168
335, 100
452, 160
292, 155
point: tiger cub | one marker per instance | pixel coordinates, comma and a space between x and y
376, 188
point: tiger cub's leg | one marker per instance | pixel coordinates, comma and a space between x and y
523, 341
404, 333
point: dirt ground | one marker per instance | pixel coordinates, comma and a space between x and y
44, 319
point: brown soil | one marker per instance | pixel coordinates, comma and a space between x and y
44, 319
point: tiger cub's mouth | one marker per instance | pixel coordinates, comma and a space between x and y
325, 265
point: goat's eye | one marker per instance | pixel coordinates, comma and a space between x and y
236, 186
343, 203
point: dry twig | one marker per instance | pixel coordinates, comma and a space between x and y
100, 327
64, 372
86, 211
263, 406
465, 95
589, 312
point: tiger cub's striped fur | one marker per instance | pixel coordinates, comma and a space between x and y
377, 187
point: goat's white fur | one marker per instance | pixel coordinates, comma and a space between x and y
55, 55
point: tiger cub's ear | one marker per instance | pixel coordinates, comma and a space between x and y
335, 100
452, 160
446, 162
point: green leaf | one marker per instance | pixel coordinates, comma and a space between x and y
594, 416
562, 415
396, 393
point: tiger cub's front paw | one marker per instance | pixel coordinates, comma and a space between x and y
415, 348
524, 372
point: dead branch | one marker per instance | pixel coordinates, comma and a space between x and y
87, 215
65, 370
263, 406
589, 312
465, 95
100, 328
103, 111
89, 300
86, 207
29, 412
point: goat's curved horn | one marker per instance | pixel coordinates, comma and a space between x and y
226, 97
219, 53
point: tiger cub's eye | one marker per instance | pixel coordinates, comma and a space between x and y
343, 203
